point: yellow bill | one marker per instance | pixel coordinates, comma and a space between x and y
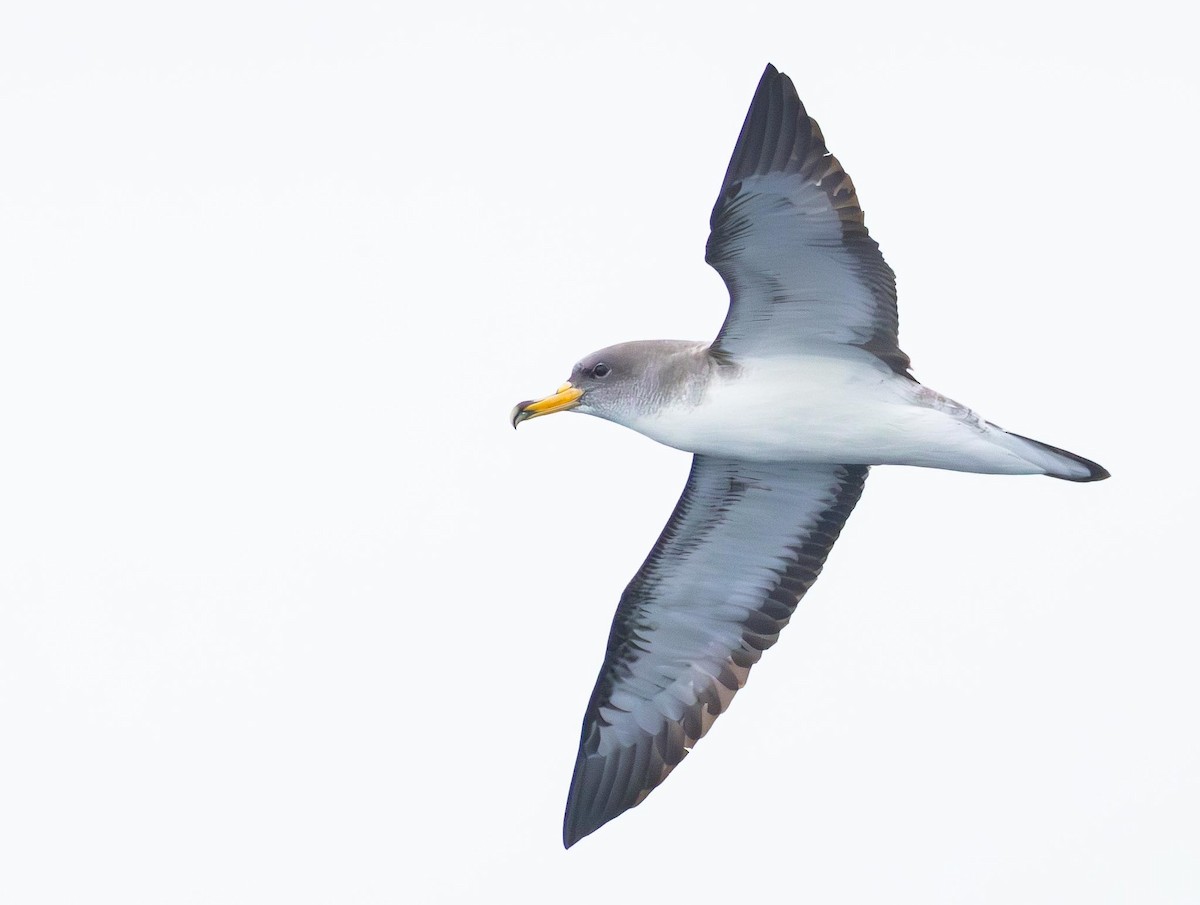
565, 397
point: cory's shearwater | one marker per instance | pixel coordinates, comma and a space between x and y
803, 389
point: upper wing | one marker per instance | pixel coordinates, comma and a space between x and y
745, 542
788, 239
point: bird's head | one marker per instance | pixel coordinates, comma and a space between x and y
614, 382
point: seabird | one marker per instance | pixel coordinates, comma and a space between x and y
804, 388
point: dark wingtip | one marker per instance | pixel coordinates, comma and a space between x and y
775, 130
770, 76
577, 826
605, 786
572, 830
580, 821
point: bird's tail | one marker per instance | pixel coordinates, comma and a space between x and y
1055, 462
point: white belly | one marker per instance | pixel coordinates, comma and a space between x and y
833, 410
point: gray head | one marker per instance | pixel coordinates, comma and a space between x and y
616, 382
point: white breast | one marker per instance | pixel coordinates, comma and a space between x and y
846, 410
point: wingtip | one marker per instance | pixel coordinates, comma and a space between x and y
579, 822
605, 786
575, 829
579, 825
770, 76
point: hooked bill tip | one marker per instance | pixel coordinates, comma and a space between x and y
518, 414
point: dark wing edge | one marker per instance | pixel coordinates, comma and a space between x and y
621, 759
779, 137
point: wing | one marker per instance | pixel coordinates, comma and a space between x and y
745, 542
789, 241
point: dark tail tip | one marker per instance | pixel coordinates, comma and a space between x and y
1096, 471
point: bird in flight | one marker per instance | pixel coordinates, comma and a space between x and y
804, 388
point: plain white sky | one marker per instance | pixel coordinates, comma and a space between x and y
290, 614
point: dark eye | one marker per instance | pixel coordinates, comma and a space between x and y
601, 370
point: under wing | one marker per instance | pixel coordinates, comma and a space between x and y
745, 542
789, 240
